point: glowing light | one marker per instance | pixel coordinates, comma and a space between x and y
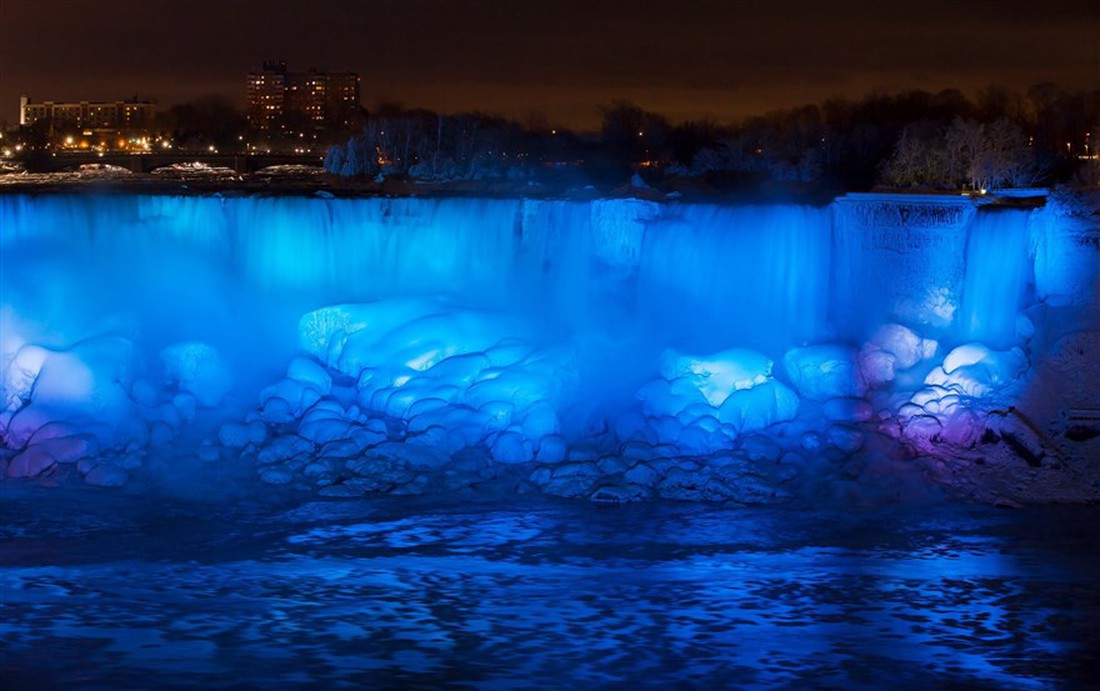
735, 311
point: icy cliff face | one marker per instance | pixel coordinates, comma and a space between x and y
615, 349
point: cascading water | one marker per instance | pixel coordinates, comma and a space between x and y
998, 271
211, 268
748, 276
419, 331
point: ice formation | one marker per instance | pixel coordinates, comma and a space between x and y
615, 349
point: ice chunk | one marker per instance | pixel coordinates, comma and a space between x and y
199, 369
965, 355
293, 395
824, 371
32, 462
847, 410
552, 449
907, 347
876, 366
759, 407
284, 448
86, 386
106, 475
309, 372
21, 374
976, 371
510, 447
719, 375
847, 439
236, 435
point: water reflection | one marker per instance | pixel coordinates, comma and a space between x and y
131, 593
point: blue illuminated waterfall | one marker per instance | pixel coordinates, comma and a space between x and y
528, 329
696, 275
998, 271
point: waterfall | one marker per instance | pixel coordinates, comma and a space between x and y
695, 275
622, 280
998, 271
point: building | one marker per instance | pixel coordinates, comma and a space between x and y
279, 100
266, 96
91, 115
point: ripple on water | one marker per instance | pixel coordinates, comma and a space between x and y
123, 593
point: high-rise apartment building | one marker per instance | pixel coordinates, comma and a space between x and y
280, 100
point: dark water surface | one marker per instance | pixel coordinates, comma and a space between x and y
113, 591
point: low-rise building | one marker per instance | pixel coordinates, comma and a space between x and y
110, 115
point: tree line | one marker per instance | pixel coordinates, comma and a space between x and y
915, 139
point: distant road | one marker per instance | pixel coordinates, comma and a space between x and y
145, 163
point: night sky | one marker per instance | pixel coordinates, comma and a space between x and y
688, 59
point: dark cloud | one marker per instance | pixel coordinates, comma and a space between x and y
719, 59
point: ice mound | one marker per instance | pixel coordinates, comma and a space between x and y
893, 348
719, 375
198, 369
820, 372
954, 404
408, 383
975, 371
94, 404
84, 386
700, 404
